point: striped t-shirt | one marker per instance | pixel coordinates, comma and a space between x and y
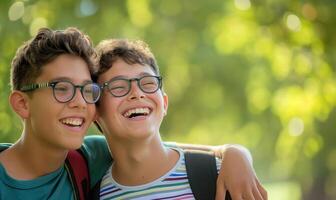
172, 185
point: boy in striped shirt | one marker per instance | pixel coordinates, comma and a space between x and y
130, 111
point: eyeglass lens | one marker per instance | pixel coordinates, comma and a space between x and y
65, 91
120, 87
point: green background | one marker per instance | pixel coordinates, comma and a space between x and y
258, 73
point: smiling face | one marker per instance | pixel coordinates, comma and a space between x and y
60, 125
135, 115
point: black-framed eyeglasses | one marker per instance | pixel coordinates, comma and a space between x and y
120, 87
64, 91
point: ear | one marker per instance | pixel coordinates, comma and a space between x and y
165, 103
19, 103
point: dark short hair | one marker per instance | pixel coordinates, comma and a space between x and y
45, 47
130, 51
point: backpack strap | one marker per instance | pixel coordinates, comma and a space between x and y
202, 174
2, 148
95, 191
77, 168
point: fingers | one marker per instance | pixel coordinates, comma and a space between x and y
264, 194
257, 195
249, 196
241, 196
220, 190
257, 192
262, 191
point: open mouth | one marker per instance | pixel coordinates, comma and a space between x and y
136, 112
73, 122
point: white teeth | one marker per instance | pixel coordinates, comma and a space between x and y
73, 121
144, 111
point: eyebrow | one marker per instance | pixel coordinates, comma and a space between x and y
125, 77
63, 78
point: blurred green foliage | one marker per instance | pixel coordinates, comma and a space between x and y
258, 73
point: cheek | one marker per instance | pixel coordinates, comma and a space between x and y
48, 108
106, 106
160, 102
44, 117
107, 114
92, 110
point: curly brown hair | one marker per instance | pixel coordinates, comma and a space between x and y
45, 47
130, 51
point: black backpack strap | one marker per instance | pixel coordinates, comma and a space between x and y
202, 174
4, 146
77, 168
95, 191
2, 149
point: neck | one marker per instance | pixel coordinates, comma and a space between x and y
28, 159
140, 162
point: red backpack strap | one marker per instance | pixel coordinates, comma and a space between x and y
78, 171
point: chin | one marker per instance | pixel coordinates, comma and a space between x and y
143, 135
74, 144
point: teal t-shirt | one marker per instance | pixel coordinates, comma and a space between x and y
56, 185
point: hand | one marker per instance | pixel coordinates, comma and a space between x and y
238, 177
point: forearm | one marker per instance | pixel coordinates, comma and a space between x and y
219, 150
236, 174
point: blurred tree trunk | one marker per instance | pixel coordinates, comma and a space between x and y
323, 177
316, 192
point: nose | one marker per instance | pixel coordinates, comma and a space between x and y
78, 100
135, 92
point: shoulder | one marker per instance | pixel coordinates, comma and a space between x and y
94, 143
97, 154
94, 140
95, 146
3, 147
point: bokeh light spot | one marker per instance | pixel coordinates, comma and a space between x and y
293, 23
309, 11
242, 4
139, 12
16, 11
36, 24
87, 8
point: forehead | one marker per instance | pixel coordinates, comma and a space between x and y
121, 68
66, 66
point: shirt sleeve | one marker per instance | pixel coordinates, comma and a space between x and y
97, 154
218, 164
